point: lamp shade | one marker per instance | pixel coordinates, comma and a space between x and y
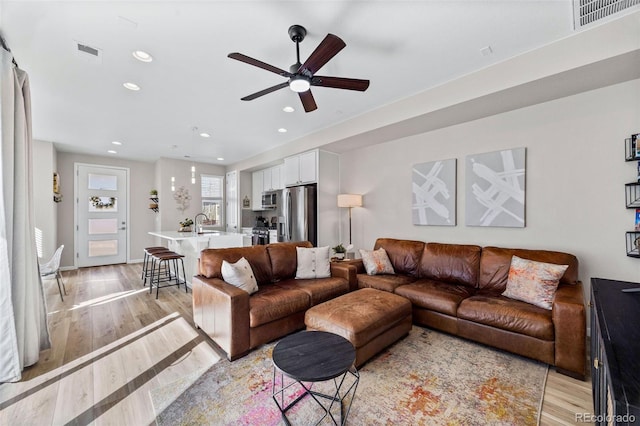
349, 200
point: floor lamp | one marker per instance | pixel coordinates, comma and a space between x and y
349, 201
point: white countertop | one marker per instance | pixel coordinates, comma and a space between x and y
177, 236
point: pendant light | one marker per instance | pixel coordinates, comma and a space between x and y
193, 166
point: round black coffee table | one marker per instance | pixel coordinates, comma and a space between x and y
315, 356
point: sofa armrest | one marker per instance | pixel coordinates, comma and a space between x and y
346, 271
570, 326
222, 311
358, 264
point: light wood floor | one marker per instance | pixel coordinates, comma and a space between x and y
112, 343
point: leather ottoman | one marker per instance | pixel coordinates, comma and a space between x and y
370, 319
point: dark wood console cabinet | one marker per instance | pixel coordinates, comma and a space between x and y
615, 352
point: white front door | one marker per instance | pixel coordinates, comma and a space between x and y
101, 215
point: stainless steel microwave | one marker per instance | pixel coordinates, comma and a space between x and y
270, 200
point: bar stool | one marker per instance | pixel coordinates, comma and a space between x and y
146, 262
168, 259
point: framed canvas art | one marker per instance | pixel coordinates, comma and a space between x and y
433, 188
495, 189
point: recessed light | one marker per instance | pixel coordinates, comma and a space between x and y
288, 109
116, 143
282, 130
143, 56
111, 151
205, 135
220, 159
131, 86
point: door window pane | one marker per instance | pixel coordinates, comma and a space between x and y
103, 248
103, 226
103, 204
104, 182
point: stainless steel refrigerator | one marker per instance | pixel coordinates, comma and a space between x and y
298, 221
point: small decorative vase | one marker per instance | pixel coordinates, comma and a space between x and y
339, 256
185, 229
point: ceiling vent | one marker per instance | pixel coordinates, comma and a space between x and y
589, 11
88, 53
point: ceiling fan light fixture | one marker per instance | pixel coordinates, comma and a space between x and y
299, 83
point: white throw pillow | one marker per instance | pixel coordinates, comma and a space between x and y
240, 275
313, 263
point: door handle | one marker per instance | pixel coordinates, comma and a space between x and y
123, 228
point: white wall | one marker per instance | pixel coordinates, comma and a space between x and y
575, 198
170, 217
44, 164
141, 181
143, 178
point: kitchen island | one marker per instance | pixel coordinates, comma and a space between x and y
190, 244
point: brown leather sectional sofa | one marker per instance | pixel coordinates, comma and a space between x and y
238, 322
457, 289
454, 288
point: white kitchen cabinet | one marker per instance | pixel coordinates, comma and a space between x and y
276, 177
266, 180
271, 178
301, 169
256, 190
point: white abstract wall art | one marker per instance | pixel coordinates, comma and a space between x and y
433, 187
495, 189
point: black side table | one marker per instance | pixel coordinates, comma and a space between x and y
315, 356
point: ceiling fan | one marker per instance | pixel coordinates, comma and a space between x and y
302, 76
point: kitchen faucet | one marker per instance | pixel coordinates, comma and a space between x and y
199, 225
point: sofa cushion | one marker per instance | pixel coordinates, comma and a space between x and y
451, 263
403, 254
508, 314
211, 261
376, 262
320, 289
533, 282
313, 263
240, 275
435, 295
283, 259
495, 263
271, 303
383, 282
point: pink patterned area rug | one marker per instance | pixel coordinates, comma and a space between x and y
427, 378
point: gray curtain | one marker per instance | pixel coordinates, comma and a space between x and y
23, 315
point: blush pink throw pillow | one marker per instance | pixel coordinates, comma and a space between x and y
533, 282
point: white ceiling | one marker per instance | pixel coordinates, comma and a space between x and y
402, 47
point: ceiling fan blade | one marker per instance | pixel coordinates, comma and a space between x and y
340, 83
308, 102
327, 49
265, 91
256, 63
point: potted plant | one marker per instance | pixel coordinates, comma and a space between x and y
339, 251
185, 225
153, 192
